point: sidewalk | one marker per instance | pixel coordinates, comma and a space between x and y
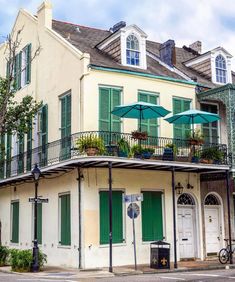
59, 272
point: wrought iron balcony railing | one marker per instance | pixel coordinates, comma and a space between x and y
113, 144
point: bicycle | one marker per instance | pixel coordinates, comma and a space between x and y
224, 253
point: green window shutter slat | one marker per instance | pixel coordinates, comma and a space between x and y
65, 126
65, 220
15, 222
15, 72
115, 101
2, 155
68, 115
21, 153
152, 225
28, 63
39, 223
117, 217
104, 109
19, 70
8, 155
63, 117
8, 70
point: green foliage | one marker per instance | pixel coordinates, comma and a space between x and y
91, 141
123, 146
173, 147
4, 253
21, 260
212, 153
139, 151
196, 136
15, 116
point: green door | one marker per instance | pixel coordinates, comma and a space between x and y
65, 127
117, 217
152, 223
65, 220
15, 222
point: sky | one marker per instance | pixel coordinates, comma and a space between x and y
210, 21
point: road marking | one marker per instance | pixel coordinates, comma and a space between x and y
172, 278
231, 277
207, 275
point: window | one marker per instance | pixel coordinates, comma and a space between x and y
108, 99
149, 125
65, 126
65, 220
117, 217
22, 68
15, 222
2, 155
220, 66
181, 131
132, 51
152, 223
210, 130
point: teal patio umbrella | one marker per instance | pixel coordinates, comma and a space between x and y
140, 110
193, 117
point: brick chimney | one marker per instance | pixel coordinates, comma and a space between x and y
167, 52
196, 46
44, 14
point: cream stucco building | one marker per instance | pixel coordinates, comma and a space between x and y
80, 74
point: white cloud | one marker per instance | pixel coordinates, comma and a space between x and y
182, 20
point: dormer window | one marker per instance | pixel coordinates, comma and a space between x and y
220, 66
132, 51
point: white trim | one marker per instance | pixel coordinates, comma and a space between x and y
198, 59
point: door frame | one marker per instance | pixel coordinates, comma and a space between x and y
221, 219
197, 244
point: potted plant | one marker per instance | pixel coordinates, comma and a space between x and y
91, 144
170, 152
147, 153
211, 155
195, 137
196, 157
136, 151
123, 148
138, 135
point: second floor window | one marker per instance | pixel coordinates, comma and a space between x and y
132, 51
220, 66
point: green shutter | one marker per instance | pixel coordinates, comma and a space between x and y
8, 155
8, 70
117, 217
21, 153
108, 99
15, 222
149, 125
17, 71
29, 149
44, 134
2, 155
181, 131
65, 126
28, 63
65, 220
152, 225
39, 223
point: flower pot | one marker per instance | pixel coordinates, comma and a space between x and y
195, 159
91, 151
147, 155
122, 154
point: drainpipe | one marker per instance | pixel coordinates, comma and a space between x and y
79, 219
229, 217
174, 219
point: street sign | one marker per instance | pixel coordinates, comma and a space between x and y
132, 198
133, 210
38, 200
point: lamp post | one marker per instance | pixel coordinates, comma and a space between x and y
36, 174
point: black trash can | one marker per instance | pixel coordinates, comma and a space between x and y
160, 255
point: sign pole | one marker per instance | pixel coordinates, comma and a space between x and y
134, 242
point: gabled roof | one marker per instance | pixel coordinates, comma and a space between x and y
86, 39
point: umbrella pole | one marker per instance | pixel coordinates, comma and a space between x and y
193, 136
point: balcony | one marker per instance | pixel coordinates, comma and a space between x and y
118, 145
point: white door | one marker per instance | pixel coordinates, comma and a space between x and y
186, 232
212, 230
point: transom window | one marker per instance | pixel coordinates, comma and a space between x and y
132, 51
211, 200
185, 199
220, 66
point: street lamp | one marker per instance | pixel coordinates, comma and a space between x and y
36, 174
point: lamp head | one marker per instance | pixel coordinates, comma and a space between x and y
36, 172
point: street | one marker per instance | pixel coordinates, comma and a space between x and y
200, 276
